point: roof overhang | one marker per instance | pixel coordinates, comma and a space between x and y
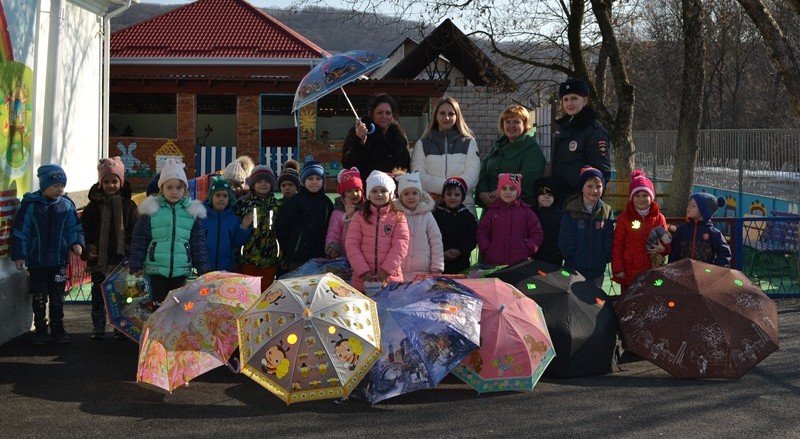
99, 7
162, 61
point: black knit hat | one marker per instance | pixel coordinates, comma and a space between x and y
290, 172
544, 186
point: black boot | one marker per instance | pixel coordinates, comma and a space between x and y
59, 334
40, 337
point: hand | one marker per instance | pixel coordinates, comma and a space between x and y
656, 249
333, 254
349, 208
77, 249
487, 197
452, 253
93, 252
20, 264
361, 131
382, 275
247, 221
620, 275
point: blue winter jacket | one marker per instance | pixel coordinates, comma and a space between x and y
700, 241
45, 230
224, 237
585, 238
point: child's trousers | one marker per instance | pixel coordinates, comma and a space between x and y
161, 286
48, 284
98, 304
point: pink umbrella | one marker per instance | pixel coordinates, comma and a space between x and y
515, 344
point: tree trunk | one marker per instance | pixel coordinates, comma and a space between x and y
694, 73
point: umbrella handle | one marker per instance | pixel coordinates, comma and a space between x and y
234, 365
371, 125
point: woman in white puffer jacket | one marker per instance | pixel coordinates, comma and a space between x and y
425, 250
447, 149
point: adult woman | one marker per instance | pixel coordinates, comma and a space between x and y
515, 152
384, 149
447, 149
579, 140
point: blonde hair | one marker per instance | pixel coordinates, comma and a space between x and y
515, 111
460, 125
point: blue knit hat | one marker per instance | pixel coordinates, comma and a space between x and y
707, 204
586, 173
312, 168
573, 86
152, 187
50, 175
218, 183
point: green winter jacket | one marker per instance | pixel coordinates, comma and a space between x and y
522, 156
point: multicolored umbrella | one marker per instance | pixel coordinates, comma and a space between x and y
697, 320
128, 301
481, 270
194, 330
309, 338
339, 266
515, 344
427, 327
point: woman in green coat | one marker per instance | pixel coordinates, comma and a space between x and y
516, 152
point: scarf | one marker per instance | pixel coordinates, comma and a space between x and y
111, 209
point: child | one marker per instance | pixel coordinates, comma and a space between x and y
630, 255
260, 254
457, 225
586, 231
698, 238
169, 238
226, 232
549, 217
108, 221
46, 228
302, 221
236, 175
509, 230
377, 240
351, 191
289, 179
425, 254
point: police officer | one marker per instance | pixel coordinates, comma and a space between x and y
579, 140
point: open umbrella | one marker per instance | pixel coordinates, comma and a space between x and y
697, 320
194, 330
524, 269
309, 338
128, 301
481, 270
339, 266
427, 328
515, 345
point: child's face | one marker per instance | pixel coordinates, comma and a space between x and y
545, 200
173, 190
353, 195
53, 191
410, 198
313, 183
288, 188
452, 197
692, 211
378, 196
110, 184
220, 200
262, 187
508, 193
641, 200
592, 190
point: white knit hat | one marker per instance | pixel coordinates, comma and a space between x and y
238, 170
407, 181
172, 169
378, 178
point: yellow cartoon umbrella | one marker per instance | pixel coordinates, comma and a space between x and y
309, 338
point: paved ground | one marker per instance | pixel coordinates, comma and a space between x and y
87, 389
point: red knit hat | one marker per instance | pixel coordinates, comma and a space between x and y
112, 166
349, 179
512, 180
639, 182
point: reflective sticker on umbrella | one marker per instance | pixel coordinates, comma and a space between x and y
738, 283
531, 286
658, 282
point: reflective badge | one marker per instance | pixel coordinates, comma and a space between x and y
581, 224
706, 237
387, 229
601, 146
573, 146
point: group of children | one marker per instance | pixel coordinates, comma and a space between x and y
388, 228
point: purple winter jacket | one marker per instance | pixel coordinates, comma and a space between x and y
508, 233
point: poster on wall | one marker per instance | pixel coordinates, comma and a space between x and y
17, 32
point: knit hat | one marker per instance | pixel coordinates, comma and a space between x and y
238, 170
378, 178
173, 169
312, 168
408, 181
573, 86
586, 173
707, 204
221, 184
544, 186
510, 179
639, 182
349, 179
456, 182
290, 172
262, 172
152, 187
112, 166
50, 175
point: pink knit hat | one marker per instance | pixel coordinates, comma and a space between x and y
111, 166
512, 180
639, 182
349, 179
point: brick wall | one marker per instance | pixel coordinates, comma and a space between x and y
247, 125
186, 113
481, 107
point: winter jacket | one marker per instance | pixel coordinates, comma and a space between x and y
579, 140
445, 154
459, 229
383, 152
631, 231
301, 225
701, 241
224, 236
381, 243
585, 238
262, 248
522, 156
508, 233
91, 219
45, 230
169, 239
425, 253
550, 219
337, 229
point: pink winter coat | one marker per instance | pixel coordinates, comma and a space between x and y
381, 243
508, 233
425, 252
337, 233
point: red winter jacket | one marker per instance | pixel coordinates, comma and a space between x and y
629, 251
381, 243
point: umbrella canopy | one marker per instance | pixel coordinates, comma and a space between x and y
309, 338
697, 320
339, 266
427, 328
128, 301
581, 322
481, 270
515, 345
194, 330
522, 270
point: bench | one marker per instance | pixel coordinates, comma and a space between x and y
777, 238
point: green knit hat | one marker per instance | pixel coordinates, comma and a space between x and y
220, 184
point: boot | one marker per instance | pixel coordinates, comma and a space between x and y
40, 337
59, 334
